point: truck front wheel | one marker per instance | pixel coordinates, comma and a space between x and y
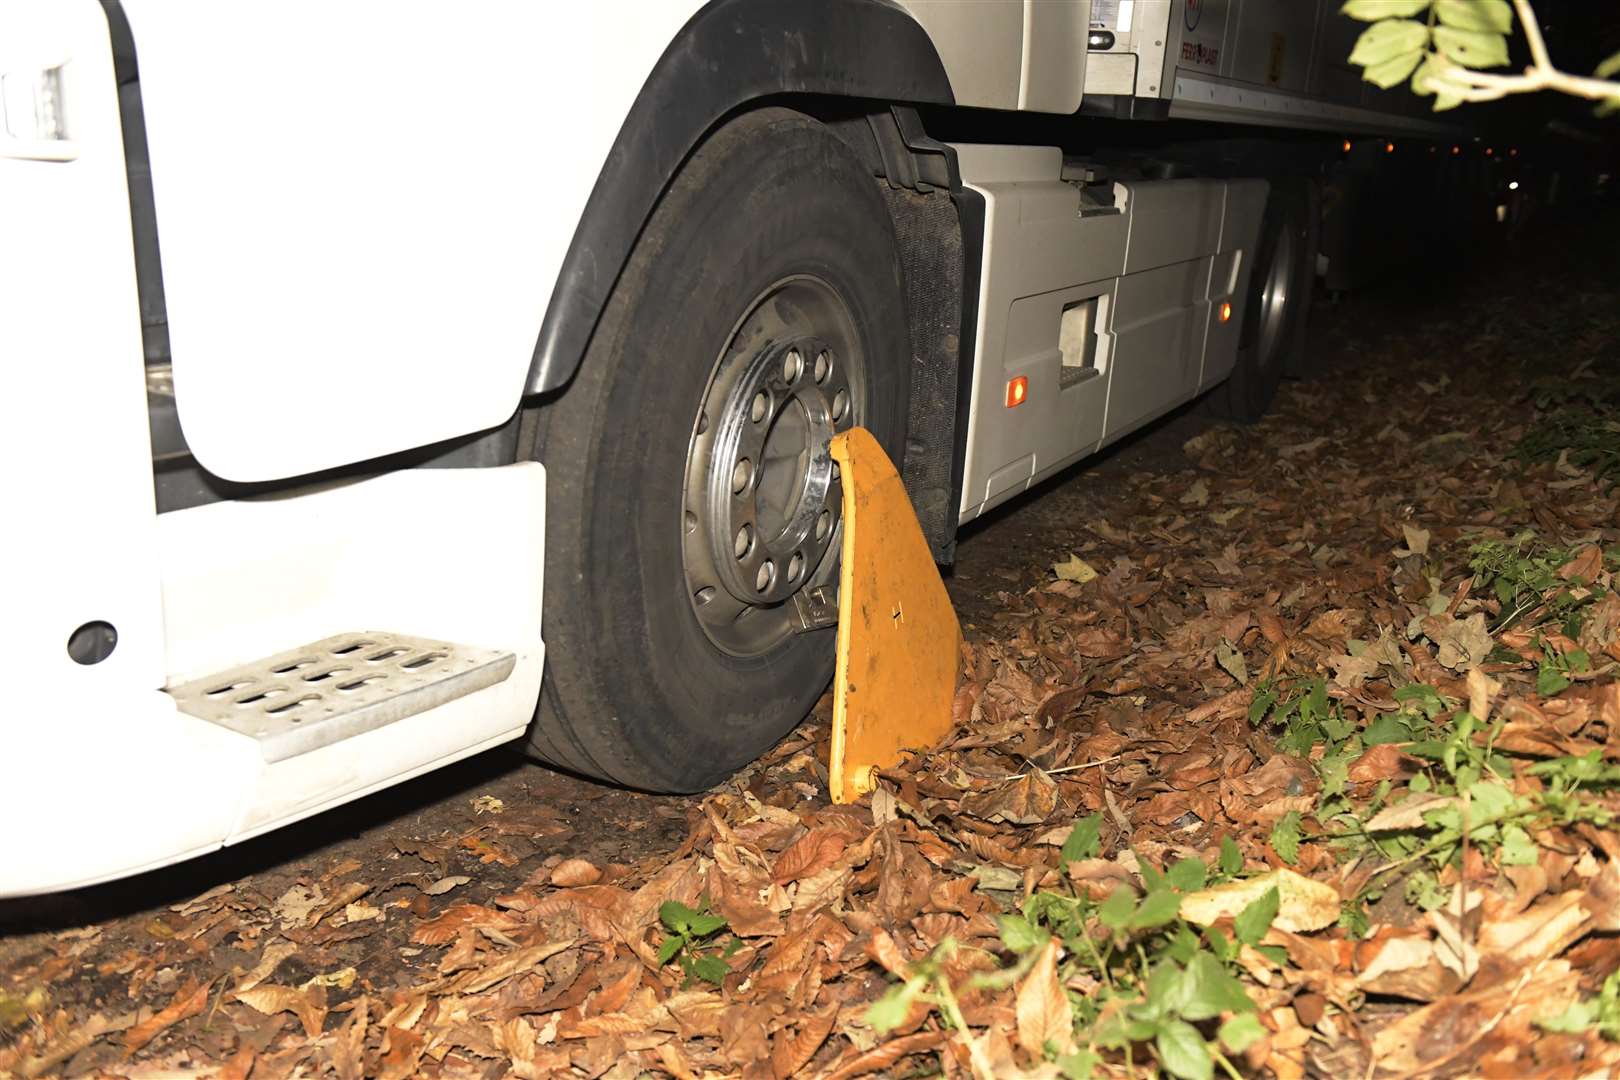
690, 494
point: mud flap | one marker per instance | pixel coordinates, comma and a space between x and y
899, 644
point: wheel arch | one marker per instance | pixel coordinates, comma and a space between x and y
730, 54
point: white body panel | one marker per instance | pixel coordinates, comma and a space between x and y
456, 553
363, 207
1159, 270
1010, 54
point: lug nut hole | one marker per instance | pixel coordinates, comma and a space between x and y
823, 366
742, 474
795, 567
823, 524
690, 520
840, 405
704, 595
744, 543
766, 575
792, 366
760, 408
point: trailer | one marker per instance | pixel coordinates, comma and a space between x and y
391, 381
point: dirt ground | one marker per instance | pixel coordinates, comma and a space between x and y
1244, 648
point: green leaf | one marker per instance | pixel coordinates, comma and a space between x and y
1019, 935
676, 915
702, 926
1080, 1065
1165, 991
1517, 847
1084, 840
1182, 1051
1388, 728
1187, 875
1285, 838
1156, 910
1388, 39
1117, 910
1550, 681
1393, 72
709, 969
1240, 1032
1209, 990
1373, 10
1609, 68
672, 945
889, 1011
1424, 696
1577, 1018
1231, 857
1253, 921
1471, 48
1225, 949
1151, 876
1494, 16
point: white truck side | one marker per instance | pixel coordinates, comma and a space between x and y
393, 380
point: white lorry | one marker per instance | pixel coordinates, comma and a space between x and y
391, 380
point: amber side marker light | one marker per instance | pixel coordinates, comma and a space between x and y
1017, 391
1346, 146
1389, 148
1226, 311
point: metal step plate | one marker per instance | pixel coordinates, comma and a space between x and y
306, 698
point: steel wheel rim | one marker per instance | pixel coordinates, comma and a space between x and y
1276, 297
761, 506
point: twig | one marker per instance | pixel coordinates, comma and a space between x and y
1466, 85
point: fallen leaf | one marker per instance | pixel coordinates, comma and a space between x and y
309, 1004
573, 872
1075, 569
445, 884
188, 1001
1043, 1009
1304, 904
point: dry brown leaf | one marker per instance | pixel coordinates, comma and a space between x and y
349, 1047
308, 1005
791, 1052
512, 963
809, 854
1043, 1009
187, 1002
572, 872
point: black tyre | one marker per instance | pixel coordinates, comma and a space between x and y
1276, 308
690, 494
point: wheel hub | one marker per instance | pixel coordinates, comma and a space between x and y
771, 487
763, 498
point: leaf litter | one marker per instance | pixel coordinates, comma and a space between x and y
1300, 757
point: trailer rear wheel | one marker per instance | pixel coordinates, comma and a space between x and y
690, 492
1276, 307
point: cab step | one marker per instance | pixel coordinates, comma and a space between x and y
333, 689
